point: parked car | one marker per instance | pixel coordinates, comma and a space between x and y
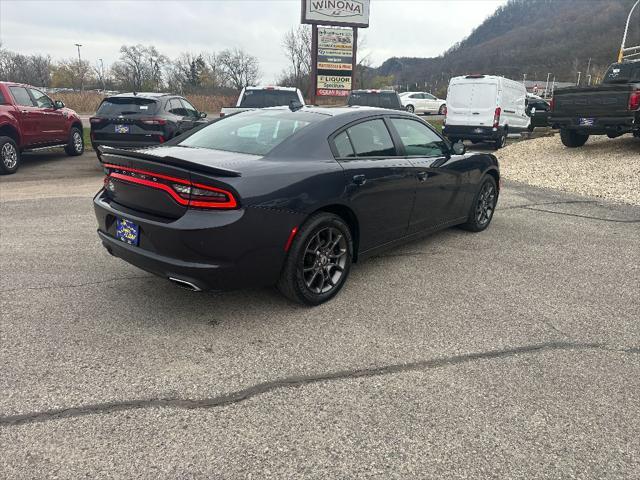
375, 98
423, 102
612, 108
251, 98
537, 108
30, 120
288, 197
133, 120
485, 108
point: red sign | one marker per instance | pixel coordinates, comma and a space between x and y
323, 92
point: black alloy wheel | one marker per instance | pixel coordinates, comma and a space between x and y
410, 109
483, 207
319, 260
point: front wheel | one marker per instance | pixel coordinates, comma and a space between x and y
9, 156
442, 109
573, 139
501, 141
75, 146
483, 206
319, 260
410, 108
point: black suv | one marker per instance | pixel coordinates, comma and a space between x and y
142, 119
375, 98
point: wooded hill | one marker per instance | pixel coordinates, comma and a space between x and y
531, 37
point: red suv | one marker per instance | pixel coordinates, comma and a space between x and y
30, 120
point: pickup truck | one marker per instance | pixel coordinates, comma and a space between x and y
262, 97
30, 120
612, 108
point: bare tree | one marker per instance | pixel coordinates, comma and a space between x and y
217, 76
297, 47
241, 68
139, 68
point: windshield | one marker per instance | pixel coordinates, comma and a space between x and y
268, 98
127, 106
254, 132
623, 73
372, 99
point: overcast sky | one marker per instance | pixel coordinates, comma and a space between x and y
418, 28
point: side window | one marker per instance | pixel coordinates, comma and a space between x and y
343, 145
190, 111
174, 106
372, 139
42, 101
418, 139
415, 95
428, 96
2, 100
21, 96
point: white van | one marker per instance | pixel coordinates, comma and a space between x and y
485, 108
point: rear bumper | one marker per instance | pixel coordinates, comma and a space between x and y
600, 126
466, 132
214, 250
123, 144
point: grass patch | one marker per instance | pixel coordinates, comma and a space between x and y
86, 133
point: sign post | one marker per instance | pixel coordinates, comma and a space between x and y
333, 50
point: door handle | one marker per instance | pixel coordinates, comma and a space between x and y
422, 176
24, 112
359, 179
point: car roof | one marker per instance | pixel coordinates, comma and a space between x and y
16, 84
149, 95
373, 91
354, 110
270, 87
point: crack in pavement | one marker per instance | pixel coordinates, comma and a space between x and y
563, 202
296, 381
531, 206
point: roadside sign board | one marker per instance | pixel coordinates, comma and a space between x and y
347, 13
334, 61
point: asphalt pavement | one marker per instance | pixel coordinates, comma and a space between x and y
513, 353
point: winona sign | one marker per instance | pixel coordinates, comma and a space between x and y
352, 13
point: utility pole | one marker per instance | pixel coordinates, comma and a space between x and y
578, 82
546, 87
524, 79
80, 68
102, 74
589, 77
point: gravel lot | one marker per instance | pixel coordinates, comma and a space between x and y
603, 168
513, 353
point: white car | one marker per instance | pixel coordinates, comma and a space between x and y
423, 102
485, 108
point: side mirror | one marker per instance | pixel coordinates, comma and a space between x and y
458, 148
58, 104
203, 114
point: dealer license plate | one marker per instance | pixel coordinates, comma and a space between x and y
122, 128
127, 231
586, 122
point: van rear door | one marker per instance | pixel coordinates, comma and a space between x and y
472, 103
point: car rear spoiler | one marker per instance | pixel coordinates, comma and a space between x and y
111, 152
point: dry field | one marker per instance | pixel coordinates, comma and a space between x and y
604, 168
87, 102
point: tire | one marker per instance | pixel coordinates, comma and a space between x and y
500, 141
483, 206
441, 109
573, 139
75, 146
9, 156
410, 109
311, 251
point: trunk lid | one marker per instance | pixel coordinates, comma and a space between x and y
167, 181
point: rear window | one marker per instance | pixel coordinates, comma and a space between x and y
127, 106
472, 95
268, 98
623, 73
254, 132
373, 99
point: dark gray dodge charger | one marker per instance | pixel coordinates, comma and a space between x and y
288, 197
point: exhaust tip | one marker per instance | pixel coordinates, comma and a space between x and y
185, 284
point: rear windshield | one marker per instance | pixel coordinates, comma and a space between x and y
127, 106
253, 132
268, 98
373, 99
472, 95
623, 73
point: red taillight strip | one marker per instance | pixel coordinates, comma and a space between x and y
184, 181
149, 183
230, 203
292, 235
